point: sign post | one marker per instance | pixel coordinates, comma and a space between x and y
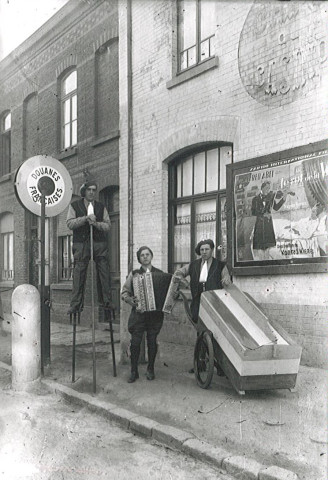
44, 187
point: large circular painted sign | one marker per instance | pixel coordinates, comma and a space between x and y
43, 175
283, 50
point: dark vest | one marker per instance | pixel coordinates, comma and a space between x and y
82, 234
213, 279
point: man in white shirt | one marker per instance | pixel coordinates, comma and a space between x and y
206, 273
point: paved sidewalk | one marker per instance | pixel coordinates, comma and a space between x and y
269, 435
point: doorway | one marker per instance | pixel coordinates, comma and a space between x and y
109, 196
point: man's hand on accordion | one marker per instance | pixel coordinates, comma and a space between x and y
131, 301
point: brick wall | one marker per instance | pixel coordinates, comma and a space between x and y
70, 38
217, 105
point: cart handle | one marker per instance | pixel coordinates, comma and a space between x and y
187, 308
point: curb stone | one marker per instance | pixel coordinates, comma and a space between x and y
205, 451
143, 425
277, 473
242, 467
170, 436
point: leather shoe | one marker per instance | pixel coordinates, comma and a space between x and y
133, 377
191, 370
150, 374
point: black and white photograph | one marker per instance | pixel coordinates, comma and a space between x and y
163, 239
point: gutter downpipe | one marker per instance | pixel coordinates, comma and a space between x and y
130, 139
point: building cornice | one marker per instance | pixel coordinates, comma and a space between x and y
62, 22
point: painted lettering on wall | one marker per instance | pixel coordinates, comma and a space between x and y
283, 50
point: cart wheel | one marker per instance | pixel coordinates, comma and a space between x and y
204, 360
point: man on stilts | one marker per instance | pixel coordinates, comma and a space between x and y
81, 215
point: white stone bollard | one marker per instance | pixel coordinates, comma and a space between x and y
26, 338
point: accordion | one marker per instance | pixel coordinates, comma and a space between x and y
154, 291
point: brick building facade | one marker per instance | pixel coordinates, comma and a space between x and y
59, 96
189, 89
249, 82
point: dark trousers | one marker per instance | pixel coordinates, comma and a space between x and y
195, 302
151, 323
81, 252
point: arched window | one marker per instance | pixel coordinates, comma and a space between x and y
5, 128
69, 110
197, 203
7, 246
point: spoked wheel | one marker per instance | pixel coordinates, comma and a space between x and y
204, 360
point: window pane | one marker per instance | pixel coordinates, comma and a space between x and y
212, 170
67, 136
199, 173
184, 60
225, 159
179, 168
192, 56
5, 252
74, 107
205, 49
187, 24
187, 177
67, 111
212, 46
207, 18
223, 230
7, 122
11, 252
181, 253
206, 220
74, 132
70, 83
67, 259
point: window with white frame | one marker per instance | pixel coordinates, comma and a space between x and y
69, 110
7, 246
198, 203
196, 32
5, 163
66, 259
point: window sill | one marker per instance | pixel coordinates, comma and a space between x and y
62, 286
112, 136
5, 178
69, 152
193, 72
6, 284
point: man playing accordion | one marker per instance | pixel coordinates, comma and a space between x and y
146, 314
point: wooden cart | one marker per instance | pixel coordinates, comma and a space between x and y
235, 336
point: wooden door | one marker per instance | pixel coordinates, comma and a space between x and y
110, 197
114, 259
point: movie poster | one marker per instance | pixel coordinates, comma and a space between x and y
281, 210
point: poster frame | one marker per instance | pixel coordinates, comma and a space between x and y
267, 267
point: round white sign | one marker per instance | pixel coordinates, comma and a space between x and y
43, 175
